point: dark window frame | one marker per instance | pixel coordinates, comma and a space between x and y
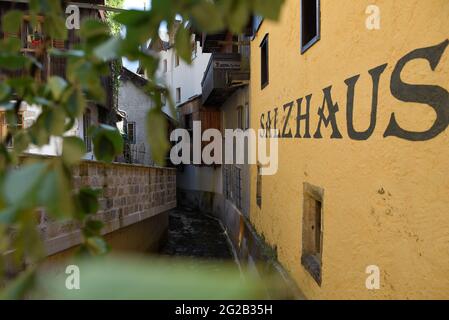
317, 37
134, 131
87, 122
247, 116
264, 62
312, 256
259, 186
178, 95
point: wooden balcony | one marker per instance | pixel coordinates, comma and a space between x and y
223, 76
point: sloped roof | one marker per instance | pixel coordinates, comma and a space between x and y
128, 75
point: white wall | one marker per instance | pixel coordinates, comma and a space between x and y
240, 98
136, 104
54, 148
184, 76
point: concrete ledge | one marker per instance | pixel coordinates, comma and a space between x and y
74, 238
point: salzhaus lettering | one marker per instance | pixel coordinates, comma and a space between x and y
435, 97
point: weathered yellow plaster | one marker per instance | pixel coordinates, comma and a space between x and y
386, 200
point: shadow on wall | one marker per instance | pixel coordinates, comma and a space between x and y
203, 201
250, 249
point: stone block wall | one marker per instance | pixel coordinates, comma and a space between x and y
129, 194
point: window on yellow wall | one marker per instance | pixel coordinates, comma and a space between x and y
312, 231
310, 23
259, 186
264, 62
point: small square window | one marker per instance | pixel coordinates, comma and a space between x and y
178, 95
312, 231
264, 62
310, 23
132, 132
176, 60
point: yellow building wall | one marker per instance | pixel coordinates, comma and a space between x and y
386, 200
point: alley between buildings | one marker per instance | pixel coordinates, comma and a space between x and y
192, 234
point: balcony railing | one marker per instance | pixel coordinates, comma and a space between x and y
224, 74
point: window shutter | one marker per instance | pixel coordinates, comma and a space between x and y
58, 44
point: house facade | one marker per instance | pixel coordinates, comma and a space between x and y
359, 96
225, 90
31, 38
135, 104
182, 79
135, 199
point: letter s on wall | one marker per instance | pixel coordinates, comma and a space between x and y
434, 96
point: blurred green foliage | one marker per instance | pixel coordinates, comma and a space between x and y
123, 277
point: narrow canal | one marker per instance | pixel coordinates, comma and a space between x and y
196, 235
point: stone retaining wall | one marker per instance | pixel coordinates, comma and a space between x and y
130, 194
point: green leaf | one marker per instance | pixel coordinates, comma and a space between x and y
57, 86
55, 193
21, 141
93, 228
11, 45
85, 74
157, 135
11, 21
269, 9
7, 105
5, 91
93, 29
150, 278
13, 62
149, 63
18, 288
73, 150
239, 16
108, 143
87, 201
8, 215
53, 121
75, 103
20, 184
133, 17
97, 245
48, 193
109, 50
207, 17
67, 53
183, 43
54, 27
